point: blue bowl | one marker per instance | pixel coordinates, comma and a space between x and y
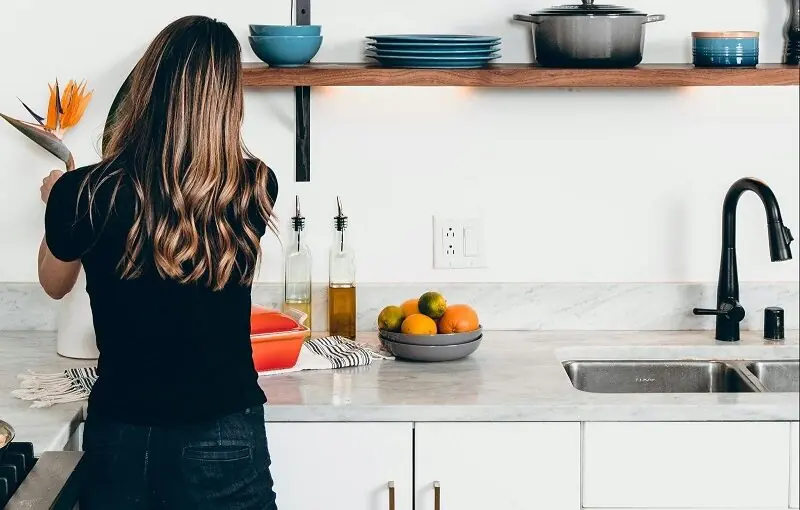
286, 50
725, 61
725, 42
701, 54
285, 30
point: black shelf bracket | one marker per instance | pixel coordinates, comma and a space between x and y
302, 100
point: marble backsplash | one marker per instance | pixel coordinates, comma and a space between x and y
501, 306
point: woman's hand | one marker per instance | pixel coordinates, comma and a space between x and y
48, 182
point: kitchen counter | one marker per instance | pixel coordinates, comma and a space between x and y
517, 376
48, 428
514, 376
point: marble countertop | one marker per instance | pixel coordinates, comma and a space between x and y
514, 376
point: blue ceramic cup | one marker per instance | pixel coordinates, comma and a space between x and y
725, 49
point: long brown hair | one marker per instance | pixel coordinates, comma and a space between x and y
178, 131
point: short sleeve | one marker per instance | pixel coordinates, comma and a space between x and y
272, 186
68, 229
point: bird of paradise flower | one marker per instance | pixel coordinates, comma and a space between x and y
63, 112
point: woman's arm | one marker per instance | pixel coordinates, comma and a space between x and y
55, 276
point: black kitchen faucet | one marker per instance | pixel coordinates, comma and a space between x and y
729, 311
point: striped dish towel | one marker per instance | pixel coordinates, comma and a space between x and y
75, 384
333, 352
71, 385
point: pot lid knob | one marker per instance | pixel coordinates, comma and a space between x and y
588, 2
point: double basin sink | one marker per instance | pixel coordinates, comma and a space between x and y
684, 376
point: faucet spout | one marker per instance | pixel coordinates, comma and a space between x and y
729, 312
779, 236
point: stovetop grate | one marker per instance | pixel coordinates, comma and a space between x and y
17, 462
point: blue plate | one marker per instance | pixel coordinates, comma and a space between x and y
434, 47
436, 38
433, 62
479, 52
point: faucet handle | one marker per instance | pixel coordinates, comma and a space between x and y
730, 309
787, 235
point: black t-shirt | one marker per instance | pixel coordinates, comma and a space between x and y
169, 352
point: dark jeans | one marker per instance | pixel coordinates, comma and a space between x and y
220, 465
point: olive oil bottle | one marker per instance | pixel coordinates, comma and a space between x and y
341, 280
297, 270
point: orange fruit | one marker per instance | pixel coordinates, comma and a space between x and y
458, 319
432, 304
418, 324
410, 307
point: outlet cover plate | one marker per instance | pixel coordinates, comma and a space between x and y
458, 243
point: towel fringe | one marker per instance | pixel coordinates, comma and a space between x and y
45, 390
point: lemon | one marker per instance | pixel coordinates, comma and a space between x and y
390, 318
432, 304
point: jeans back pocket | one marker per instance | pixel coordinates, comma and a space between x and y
217, 453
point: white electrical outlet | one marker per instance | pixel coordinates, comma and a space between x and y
458, 243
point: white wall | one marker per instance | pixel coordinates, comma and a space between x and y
587, 185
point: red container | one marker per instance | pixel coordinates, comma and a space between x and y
276, 339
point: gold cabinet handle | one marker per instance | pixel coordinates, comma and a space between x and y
437, 496
391, 495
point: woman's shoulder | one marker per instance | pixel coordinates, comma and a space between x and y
73, 183
93, 173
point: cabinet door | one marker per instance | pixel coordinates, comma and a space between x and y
320, 466
75, 441
508, 466
794, 492
686, 465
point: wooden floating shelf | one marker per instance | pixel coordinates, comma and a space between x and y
518, 75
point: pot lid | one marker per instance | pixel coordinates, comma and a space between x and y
587, 8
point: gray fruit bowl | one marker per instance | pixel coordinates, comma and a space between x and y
444, 339
432, 352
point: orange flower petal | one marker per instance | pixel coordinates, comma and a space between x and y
67, 102
52, 114
74, 103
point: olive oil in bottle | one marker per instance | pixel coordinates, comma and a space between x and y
341, 281
297, 266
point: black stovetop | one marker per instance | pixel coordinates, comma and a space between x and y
17, 461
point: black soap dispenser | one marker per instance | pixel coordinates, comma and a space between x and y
773, 323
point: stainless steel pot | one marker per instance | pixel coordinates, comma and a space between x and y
588, 35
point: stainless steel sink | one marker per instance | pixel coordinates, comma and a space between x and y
777, 375
657, 377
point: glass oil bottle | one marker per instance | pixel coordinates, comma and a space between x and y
342, 281
297, 267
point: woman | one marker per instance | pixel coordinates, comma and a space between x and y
167, 228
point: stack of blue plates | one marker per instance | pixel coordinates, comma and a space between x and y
433, 51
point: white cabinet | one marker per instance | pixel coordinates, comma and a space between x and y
508, 466
794, 452
686, 465
341, 466
75, 441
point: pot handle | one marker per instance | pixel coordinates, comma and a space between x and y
528, 19
654, 17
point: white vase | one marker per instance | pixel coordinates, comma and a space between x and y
75, 336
